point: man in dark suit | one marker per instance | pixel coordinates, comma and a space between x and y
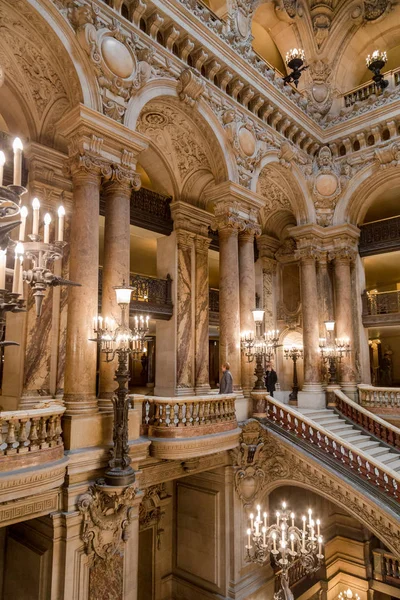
226, 383
270, 379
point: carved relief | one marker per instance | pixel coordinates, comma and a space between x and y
191, 87
150, 509
106, 517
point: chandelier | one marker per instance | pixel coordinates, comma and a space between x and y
348, 595
119, 340
375, 63
333, 350
259, 347
37, 254
295, 60
286, 542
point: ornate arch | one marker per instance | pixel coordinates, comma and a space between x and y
370, 183
285, 202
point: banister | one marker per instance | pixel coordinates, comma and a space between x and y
375, 473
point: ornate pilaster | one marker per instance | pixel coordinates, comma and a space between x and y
184, 324
116, 266
202, 382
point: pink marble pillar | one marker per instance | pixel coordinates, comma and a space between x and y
202, 383
310, 306
247, 288
325, 292
184, 315
229, 302
115, 269
344, 316
80, 364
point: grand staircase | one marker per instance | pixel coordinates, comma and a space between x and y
354, 435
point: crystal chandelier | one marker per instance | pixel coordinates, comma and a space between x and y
286, 542
295, 60
41, 254
348, 595
121, 341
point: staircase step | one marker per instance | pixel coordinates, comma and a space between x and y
311, 412
329, 420
337, 427
389, 458
395, 466
378, 452
364, 444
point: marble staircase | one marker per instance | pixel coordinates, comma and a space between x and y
354, 435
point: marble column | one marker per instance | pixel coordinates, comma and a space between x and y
247, 289
184, 314
325, 292
310, 305
202, 383
115, 269
229, 301
80, 367
268, 276
344, 316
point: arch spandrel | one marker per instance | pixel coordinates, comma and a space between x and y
184, 141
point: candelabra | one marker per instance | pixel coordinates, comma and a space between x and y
259, 347
332, 351
286, 543
375, 63
295, 61
348, 595
120, 340
294, 352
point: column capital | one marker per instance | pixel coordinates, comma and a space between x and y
267, 246
306, 254
249, 232
268, 265
202, 244
190, 218
343, 255
185, 239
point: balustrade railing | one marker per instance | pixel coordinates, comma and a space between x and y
380, 236
317, 437
372, 423
364, 91
214, 300
381, 303
26, 434
386, 567
186, 417
379, 397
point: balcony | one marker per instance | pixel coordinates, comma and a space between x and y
213, 307
381, 308
32, 463
189, 426
364, 91
380, 236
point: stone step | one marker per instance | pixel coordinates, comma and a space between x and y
328, 420
364, 444
311, 413
378, 452
389, 458
338, 427
395, 466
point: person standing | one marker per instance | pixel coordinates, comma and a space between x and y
270, 380
226, 383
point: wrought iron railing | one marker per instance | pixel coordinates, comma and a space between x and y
214, 300
381, 303
380, 236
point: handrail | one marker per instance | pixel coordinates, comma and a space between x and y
378, 397
388, 433
381, 476
186, 416
27, 431
386, 567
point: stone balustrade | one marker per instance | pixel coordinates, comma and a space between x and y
378, 475
372, 423
30, 437
379, 397
365, 90
386, 567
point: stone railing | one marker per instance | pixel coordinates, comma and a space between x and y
380, 236
389, 434
364, 91
316, 437
379, 397
386, 567
186, 417
30, 437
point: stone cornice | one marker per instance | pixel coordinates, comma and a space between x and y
245, 200
326, 239
190, 218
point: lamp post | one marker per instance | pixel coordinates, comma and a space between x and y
332, 351
375, 63
286, 542
259, 347
120, 340
294, 352
295, 61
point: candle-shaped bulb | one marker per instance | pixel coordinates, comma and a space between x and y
60, 231
2, 163
61, 211
23, 214
284, 505
19, 249
47, 221
17, 148
35, 223
3, 259
36, 204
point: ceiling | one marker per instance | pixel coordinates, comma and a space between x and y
385, 206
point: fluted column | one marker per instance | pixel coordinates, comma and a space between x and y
229, 301
247, 290
202, 382
344, 315
310, 305
116, 265
80, 367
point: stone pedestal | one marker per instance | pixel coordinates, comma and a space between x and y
115, 270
